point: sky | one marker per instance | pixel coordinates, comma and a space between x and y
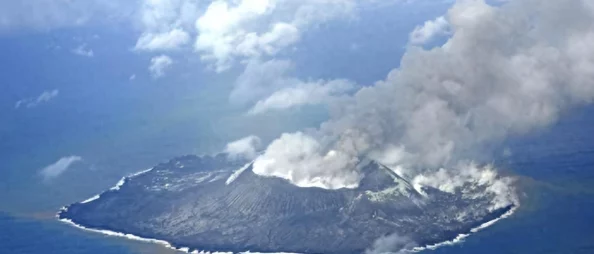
427, 88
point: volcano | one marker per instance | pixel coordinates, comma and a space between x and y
210, 203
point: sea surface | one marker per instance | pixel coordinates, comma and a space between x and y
556, 180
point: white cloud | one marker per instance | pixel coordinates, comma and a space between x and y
132, 77
220, 28
303, 94
270, 87
166, 25
429, 30
158, 16
159, 65
280, 36
245, 148
225, 31
173, 39
83, 50
252, 28
56, 169
36, 101
231, 31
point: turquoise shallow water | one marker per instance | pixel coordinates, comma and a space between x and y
556, 168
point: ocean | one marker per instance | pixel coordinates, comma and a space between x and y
556, 174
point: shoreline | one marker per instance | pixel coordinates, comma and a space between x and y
116, 187
163, 243
459, 239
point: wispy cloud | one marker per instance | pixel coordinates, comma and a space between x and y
36, 101
83, 50
271, 87
312, 93
173, 39
159, 65
56, 169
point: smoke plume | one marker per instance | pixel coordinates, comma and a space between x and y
245, 148
391, 244
506, 70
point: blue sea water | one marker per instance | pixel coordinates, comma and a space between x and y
556, 169
26, 235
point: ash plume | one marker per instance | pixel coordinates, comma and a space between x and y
506, 70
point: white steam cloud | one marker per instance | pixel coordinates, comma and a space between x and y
391, 244
499, 188
245, 148
429, 30
506, 70
302, 160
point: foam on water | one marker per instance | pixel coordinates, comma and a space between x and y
156, 241
460, 238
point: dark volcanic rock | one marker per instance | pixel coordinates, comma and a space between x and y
192, 202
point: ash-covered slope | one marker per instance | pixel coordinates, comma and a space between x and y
204, 203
